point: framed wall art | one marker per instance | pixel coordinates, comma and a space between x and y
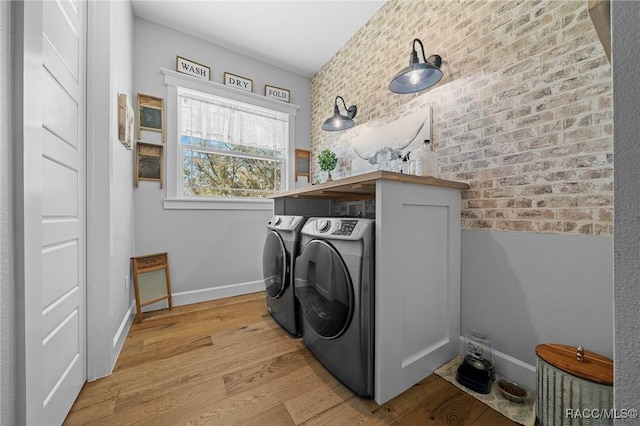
125, 121
148, 162
302, 163
238, 82
150, 114
277, 93
191, 68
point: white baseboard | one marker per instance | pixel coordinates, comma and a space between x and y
211, 293
512, 368
123, 331
516, 370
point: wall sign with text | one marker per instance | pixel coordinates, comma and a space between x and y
238, 82
277, 93
194, 69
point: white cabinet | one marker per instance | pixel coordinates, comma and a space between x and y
417, 269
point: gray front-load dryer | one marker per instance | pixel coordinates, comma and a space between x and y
278, 260
334, 284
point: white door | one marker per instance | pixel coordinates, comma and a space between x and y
52, 232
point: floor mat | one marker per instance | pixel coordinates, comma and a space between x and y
523, 413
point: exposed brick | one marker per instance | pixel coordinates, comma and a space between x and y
481, 204
471, 214
523, 112
555, 176
498, 193
557, 201
602, 229
499, 214
574, 214
538, 166
586, 228
548, 226
514, 181
537, 190
515, 225
521, 203
573, 187
500, 171
595, 200
523, 157
476, 224
605, 215
570, 227
583, 133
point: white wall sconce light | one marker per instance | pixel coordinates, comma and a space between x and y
339, 121
418, 75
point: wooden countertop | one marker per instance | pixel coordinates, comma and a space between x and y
363, 186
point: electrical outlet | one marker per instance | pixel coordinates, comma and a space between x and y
126, 283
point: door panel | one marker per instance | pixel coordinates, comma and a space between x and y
324, 289
55, 314
57, 281
274, 265
60, 110
62, 346
60, 193
54, 259
60, 29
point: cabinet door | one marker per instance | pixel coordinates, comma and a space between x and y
417, 284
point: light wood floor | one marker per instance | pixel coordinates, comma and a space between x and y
228, 362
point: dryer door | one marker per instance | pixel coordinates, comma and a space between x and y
324, 289
274, 265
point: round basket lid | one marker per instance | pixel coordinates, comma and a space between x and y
593, 367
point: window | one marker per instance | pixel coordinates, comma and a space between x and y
226, 148
230, 149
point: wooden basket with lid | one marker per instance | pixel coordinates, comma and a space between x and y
570, 381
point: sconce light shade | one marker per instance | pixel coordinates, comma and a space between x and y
417, 76
339, 121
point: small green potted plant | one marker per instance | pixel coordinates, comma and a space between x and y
327, 161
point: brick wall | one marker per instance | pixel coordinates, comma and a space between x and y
523, 113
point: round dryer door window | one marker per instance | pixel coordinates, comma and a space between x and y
323, 287
274, 265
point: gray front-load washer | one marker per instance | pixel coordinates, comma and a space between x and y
278, 260
334, 283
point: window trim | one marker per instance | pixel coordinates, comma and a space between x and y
173, 200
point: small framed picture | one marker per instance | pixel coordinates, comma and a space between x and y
125, 121
150, 114
277, 93
194, 69
238, 82
302, 163
148, 162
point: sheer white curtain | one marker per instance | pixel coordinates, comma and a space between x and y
210, 118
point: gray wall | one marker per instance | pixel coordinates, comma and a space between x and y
121, 174
208, 249
109, 185
7, 294
626, 109
525, 289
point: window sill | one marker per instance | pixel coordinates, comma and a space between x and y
218, 204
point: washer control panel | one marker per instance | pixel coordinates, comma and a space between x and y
285, 223
337, 228
345, 227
